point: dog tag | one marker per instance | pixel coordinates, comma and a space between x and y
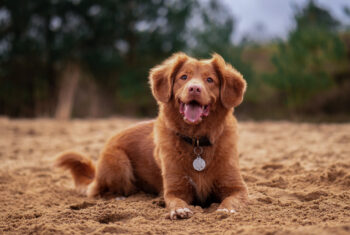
199, 164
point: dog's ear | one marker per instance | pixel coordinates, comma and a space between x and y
162, 76
232, 86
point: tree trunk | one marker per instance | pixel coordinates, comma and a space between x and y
68, 85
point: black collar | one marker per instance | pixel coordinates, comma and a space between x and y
201, 141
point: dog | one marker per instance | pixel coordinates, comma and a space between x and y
188, 153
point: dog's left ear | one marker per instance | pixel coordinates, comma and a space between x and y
233, 84
162, 76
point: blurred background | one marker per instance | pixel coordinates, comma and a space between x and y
85, 58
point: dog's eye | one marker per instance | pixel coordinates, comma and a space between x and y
210, 80
183, 77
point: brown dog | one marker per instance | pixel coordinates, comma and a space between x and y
189, 153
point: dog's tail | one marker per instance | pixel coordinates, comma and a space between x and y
81, 168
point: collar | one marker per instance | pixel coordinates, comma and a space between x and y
200, 141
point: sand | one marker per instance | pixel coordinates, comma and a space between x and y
298, 177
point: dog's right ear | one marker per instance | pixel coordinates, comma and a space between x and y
162, 76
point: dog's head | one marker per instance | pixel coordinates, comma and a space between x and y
197, 88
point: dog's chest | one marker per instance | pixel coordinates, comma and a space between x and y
201, 184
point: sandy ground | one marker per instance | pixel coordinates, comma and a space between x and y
298, 177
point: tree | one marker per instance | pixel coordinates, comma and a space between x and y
44, 41
305, 63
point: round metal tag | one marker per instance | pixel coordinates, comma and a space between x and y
199, 164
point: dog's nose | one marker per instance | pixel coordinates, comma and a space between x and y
194, 89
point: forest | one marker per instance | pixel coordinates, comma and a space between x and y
81, 59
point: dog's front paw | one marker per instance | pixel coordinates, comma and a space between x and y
180, 213
231, 205
225, 210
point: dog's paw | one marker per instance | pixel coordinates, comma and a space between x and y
225, 210
120, 198
180, 213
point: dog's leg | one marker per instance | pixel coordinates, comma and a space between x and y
177, 195
179, 208
114, 174
234, 202
232, 191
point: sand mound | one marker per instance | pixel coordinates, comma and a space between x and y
298, 177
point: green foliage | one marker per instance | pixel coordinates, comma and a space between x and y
117, 41
305, 63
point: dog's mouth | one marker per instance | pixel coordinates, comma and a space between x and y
193, 111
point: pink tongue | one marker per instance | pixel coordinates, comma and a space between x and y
193, 112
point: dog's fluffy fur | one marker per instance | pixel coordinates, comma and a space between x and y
151, 156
